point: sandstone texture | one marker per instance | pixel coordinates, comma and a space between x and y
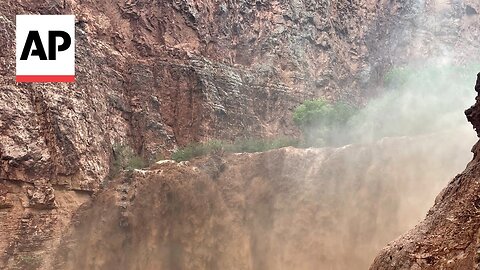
156, 75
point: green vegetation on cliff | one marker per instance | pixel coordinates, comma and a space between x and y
125, 158
239, 146
321, 121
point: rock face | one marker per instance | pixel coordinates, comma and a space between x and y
448, 238
283, 209
33, 219
160, 75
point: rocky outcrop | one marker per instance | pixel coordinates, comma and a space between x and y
41, 196
473, 114
33, 219
448, 237
157, 75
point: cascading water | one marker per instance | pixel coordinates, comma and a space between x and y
330, 208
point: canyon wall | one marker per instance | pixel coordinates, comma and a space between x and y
158, 75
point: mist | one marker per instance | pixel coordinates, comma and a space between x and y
316, 208
418, 99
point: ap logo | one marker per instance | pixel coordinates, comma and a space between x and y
45, 48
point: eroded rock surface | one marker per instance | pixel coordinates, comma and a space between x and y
157, 75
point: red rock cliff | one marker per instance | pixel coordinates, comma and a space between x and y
155, 75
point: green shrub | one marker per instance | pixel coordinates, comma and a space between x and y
322, 122
239, 146
124, 158
197, 149
259, 145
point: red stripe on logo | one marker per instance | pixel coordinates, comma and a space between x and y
45, 78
